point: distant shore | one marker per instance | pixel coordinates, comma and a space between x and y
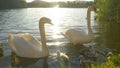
15, 4
68, 4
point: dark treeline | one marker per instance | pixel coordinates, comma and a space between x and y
69, 4
7, 4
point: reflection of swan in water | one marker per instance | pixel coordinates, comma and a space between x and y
25, 45
78, 36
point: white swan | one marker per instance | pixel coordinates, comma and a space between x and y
25, 45
78, 36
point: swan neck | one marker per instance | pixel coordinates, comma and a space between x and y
42, 34
43, 39
88, 17
89, 21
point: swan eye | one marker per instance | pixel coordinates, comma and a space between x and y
49, 21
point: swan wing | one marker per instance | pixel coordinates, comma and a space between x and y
25, 45
76, 36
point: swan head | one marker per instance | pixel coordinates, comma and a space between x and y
45, 20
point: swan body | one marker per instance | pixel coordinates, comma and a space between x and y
25, 45
79, 36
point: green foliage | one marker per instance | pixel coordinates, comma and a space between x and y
113, 62
116, 60
107, 64
109, 16
108, 10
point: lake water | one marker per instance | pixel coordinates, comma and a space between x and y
26, 21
